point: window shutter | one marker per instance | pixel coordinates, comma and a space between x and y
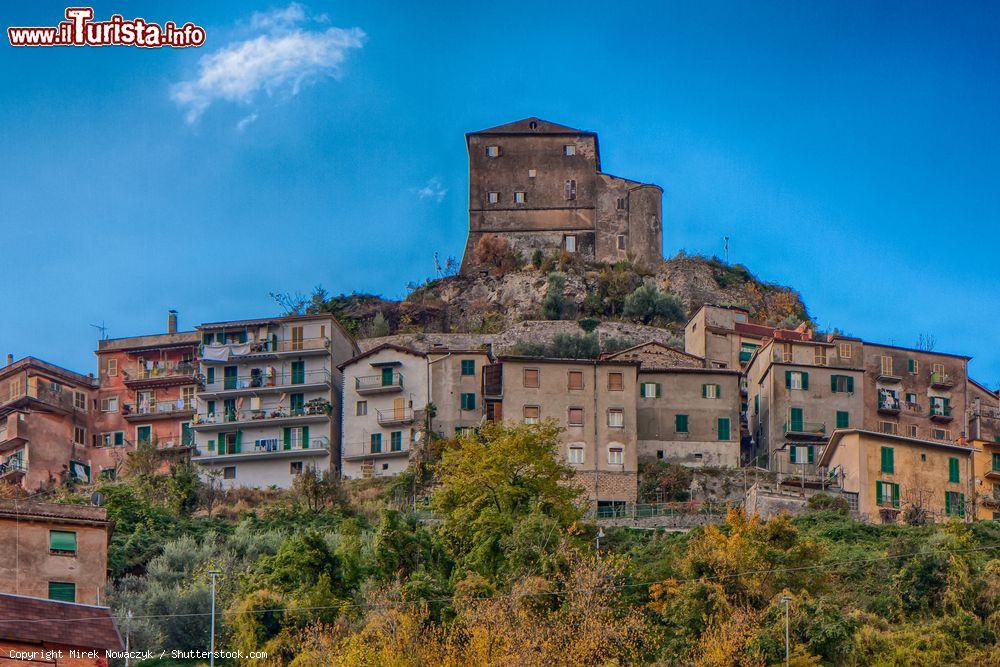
953, 470
704, 391
659, 391
961, 504
724, 428
718, 391
805, 380
788, 379
947, 503
287, 437
642, 390
239, 438
793, 454
211, 445
812, 454
62, 540
833, 383
895, 496
850, 384
878, 493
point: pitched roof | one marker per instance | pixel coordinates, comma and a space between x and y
532, 125
655, 354
839, 434
35, 620
379, 348
26, 510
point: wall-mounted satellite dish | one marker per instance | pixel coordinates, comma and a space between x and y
97, 499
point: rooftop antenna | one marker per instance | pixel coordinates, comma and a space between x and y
103, 328
437, 265
726, 239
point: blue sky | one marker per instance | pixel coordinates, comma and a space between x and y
848, 149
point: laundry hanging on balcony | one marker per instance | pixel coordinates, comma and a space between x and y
215, 352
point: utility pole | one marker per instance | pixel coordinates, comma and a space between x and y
211, 644
128, 631
786, 599
597, 541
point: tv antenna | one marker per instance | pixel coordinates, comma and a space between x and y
103, 328
726, 238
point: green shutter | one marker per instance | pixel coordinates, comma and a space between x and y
298, 372
833, 383
239, 439
468, 367
756, 404
704, 391
724, 428
961, 504
642, 390
788, 379
878, 493
659, 390
812, 454
211, 445
305, 437
887, 460
793, 454
286, 437
207, 338
947, 503
895, 496
681, 423
718, 391
805, 380
387, 376
953, 470
63, 591
62, 540
843, 419
850, 384
120, 438
797, 422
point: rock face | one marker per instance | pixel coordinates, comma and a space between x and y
493, 302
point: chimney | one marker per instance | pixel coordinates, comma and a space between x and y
172, 321
10, 358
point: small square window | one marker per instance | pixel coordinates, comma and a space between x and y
468, 401
519, 197
492, 151
620, 204
616, 382
295, 467
575, 379
532, 414
493, 197
62, 542
531, 377
659, 454
229, 472
468, 366
361, 409
575, 417
576, 455
109, 404
531, 173
621, 242
570, 243
569, 149
616, 418
79, 435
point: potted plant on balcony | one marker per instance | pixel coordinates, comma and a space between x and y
318, 406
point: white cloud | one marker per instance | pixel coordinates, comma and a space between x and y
245, 121
433, 189
290, 54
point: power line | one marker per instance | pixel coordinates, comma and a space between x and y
566, 591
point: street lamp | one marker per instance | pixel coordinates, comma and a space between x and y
211, 649
785, 599
597, 541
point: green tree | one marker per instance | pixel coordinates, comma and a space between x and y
554, 304
491, 480
649, 304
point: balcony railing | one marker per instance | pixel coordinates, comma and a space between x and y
375, 384
265, 446
814, 429
13, 465
395, 416
225, 351
159, 371
361, 451
888, 404
266, 380
162, 408
262, 414
942, 380
940, 412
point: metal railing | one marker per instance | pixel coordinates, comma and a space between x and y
367, 450
940, 410
941, 380
159, 370
379, 382
811, 428
157, 408
262, 414
264, 446
266, 380
13, 464
395, 416
888, 404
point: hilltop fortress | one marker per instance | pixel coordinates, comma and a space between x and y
539, 186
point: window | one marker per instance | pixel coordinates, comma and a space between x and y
62, 542
723, 428
887, 494
468, 401
114, 439
616, 456
64, 591
800, 454
888, 460
376, 443
680, 423
295, 468
396, 441
843, 384
616, 418
711, 391
361, 408
109, 404
531, 376
616, 382
650, 390
995, 461
569, 150
187, 397
953, 474
937, 369
912, 366
796, 380
575, 379
79, 435
620, 204
493, 197
786, 353
886, 365
954, 503
575, 417
468, 366
911, 398
531, 173
845, 350
913, 431
492, 151
819, 356
940, 407
112, 367
576, 454
570, 243
532, 414
940, 434
621, 242
519, 197
570, 189
80, 400
843, 419
229, 472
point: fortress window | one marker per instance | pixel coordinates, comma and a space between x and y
570, 243
569, 149
571, 189
621, 203
621, 241
493, 197
492, 151
518, 197
531, 173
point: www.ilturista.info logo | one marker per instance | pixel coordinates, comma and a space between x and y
80, 30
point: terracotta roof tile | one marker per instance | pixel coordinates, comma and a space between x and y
35, 620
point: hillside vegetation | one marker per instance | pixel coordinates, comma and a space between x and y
499, 567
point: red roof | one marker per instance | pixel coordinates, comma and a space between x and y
36, 620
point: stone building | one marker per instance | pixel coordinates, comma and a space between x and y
726, 337
984, 436
387, 391
594, 400
54, 551
146, 395
539, 186
269, 404
45, 424
686, 413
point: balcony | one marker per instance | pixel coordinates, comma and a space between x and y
13, 468
317, 410
941, 413
804, 429
268, 380
383, 383
887, 376
275, 447
224, 352
942, 381
365, 451
159, 374
42, 393
162, 410
889, 405
395, 416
